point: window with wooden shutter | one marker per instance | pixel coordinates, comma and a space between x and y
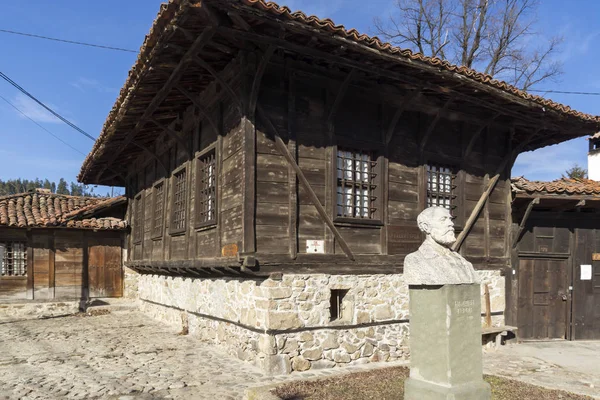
148, 214
13, 259
441, 187
158, 209
138, 219
179, 202
358, 188
206, 189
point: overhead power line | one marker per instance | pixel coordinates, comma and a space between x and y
32, 120
63, 119
68, 41
565, 92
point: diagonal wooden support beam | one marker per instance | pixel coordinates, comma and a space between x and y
304, 182
160, 96
339, 97
200, 107
509, 159
524, 220
477, 134
171, 133
432, 125
260, 71
151, 154
234, 97
405, 102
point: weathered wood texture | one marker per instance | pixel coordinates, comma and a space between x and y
298, 102
549, 255
62, 266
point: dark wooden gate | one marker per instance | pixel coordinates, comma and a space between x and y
104, 267
586, 284
543, 294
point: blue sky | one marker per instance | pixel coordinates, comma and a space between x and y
82, 83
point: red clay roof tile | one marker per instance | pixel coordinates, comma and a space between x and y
560, 186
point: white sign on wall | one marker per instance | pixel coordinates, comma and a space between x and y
315, 246
586, 272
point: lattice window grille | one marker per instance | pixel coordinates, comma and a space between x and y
207, 189
138, 219
148, 214
179, 201
159, 203
441, 187
356, 184
13, 256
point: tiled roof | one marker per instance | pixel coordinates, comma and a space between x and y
42, 210
175, 11
565, 186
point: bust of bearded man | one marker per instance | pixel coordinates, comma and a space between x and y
435, 263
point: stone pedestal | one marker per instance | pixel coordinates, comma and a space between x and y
445, 344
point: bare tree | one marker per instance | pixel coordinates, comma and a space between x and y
493, 36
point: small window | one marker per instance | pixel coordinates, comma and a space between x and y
138, 219
336, 306
158, 209
13, 258
356, 186
441, 187
148, 214
179, 204
206, 190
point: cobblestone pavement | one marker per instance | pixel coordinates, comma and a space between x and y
124, 355
571, 366
129, 356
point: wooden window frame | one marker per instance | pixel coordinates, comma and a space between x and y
377, 152
138, 223
457, 207
172, 230
25, 259
153, 234
198, 224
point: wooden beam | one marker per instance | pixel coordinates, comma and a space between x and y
222, 82
200, 107
490, 186
237, 19
393, 75
260, 71
150, 153
524, 220
300, 174
292, 179
171, 133
339, 97
200, 42
432, 125
399, 111
477, 134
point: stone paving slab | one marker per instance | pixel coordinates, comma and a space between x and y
571, 366
122, 355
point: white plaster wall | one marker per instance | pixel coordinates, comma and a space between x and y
594, 166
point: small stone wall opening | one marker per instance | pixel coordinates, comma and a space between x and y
336, 306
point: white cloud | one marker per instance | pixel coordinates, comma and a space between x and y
84, 84
33, 110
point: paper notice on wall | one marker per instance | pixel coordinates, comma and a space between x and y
586, 272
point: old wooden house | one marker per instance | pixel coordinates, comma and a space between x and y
556, 260
55, 246
276, 163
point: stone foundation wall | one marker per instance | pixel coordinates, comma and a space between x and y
130, 283
285, 325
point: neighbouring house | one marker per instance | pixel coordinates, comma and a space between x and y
55, 246
276, 163
555, 286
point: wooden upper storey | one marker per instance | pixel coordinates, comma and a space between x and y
242, 136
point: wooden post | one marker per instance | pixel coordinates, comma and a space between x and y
51, 267
30, 270
488, 307
292, 179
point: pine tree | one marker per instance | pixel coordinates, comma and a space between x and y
62, 187
575, 172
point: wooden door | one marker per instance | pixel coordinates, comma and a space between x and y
104, 267
543, 297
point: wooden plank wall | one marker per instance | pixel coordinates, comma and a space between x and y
57, 264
